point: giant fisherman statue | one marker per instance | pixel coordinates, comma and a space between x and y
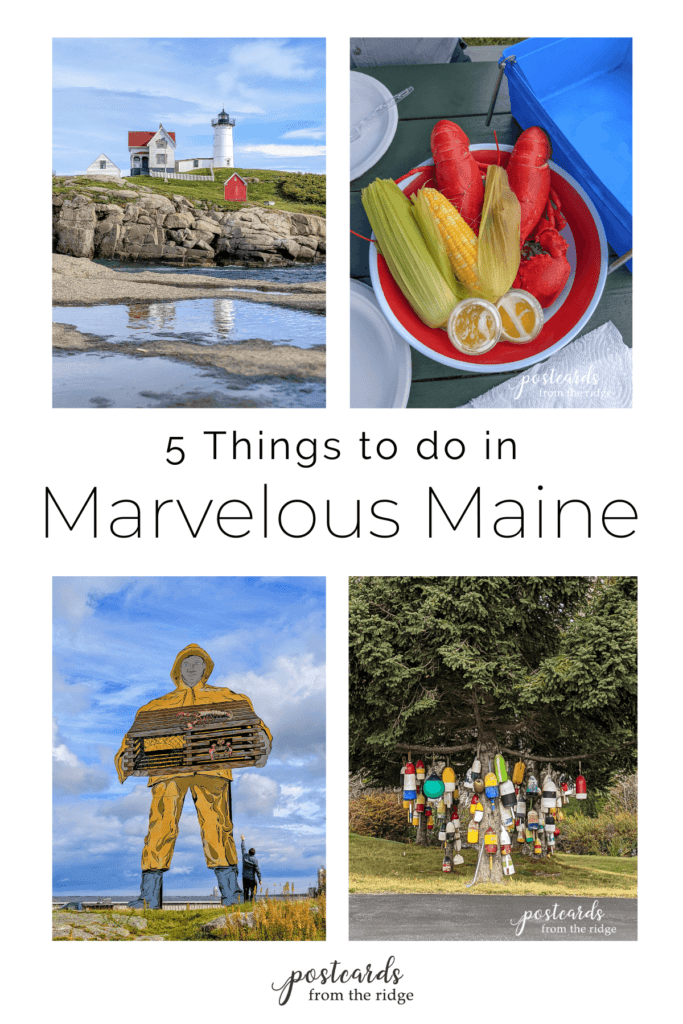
226, 736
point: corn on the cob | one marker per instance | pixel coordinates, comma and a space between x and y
458, 237
420, 276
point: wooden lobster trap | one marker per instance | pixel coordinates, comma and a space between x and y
204, 736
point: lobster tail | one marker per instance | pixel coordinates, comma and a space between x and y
529, 177
458, 177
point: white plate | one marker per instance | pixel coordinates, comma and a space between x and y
381, 367
367, 94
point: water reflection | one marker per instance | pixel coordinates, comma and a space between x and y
201, 321
224, 314
153, 316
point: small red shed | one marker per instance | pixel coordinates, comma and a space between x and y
235, 189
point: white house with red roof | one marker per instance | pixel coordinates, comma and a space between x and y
152, 151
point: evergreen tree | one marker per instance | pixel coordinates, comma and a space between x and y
538, 667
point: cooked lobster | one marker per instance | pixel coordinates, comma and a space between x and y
543, 274
458, 176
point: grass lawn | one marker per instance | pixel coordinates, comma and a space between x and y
286, 921
267, 189
379, 866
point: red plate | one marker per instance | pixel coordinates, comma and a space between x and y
562, 321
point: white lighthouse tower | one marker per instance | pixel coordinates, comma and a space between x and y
222, 140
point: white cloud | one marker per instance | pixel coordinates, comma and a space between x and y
70, 774
74, 598
270, 149
256, 795
305, 133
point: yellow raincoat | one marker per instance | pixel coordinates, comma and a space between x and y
210, 789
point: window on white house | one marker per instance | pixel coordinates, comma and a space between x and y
103, 165
195, 163
161, 159
228, 164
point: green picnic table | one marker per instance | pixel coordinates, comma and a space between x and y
461, 93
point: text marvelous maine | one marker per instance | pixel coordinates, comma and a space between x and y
470, 515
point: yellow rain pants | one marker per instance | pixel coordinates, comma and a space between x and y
210, 795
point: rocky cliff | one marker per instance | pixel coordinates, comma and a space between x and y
134, 223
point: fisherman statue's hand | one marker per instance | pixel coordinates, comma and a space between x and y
242, 836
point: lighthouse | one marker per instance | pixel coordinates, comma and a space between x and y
222, 140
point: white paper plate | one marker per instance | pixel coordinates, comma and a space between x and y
381, 367
367, 94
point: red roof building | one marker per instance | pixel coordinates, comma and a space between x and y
152, 151
143, 138
235, 188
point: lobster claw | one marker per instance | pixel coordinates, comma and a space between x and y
552, 241
546, 274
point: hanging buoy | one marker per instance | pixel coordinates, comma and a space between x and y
549, 824
441, 808
518, 773
420, 772
505, 841
450, 832
476, 768
508, 866
491, 786
549, 794
532, 784
500, 768
490, 845
416, 821
448, 779
420, 804
538, 849
447, 865
479, 786
468, 779
551, 844
532, 820
528, 836
477, 811
409, 782
472, 832
520, 806
520, 833
581, 789
506, 818
433, 786
507, 793
442, 832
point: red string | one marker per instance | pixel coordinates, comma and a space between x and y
363, 237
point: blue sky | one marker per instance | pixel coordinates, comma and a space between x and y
115, 640
274, 88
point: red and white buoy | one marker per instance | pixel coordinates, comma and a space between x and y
581, 788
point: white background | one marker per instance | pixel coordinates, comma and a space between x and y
597, 456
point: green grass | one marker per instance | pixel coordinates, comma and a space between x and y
268, 189
378, 866
185, 925
495, 42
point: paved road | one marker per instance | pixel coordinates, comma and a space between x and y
447, 918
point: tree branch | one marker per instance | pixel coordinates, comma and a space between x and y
403, 748
572, 757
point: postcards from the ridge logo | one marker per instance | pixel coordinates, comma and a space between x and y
551, 384
574, 921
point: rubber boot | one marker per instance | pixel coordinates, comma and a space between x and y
151, 891
228, 883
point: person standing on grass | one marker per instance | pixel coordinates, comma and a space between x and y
250, 871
